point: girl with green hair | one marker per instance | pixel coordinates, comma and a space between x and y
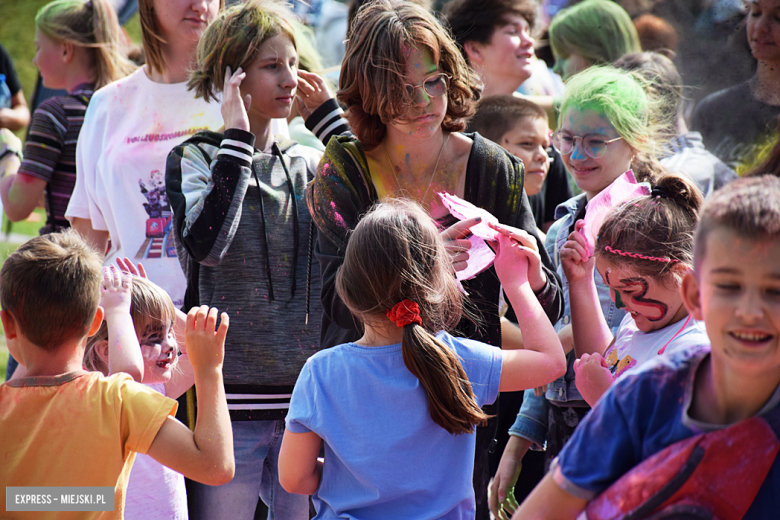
593, 32
607, 127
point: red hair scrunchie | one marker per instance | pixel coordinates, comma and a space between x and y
404, 313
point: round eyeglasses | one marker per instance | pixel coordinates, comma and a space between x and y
435, 85
594, 145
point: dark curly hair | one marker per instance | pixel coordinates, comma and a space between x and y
372, 84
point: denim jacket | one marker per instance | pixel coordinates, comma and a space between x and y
531, 422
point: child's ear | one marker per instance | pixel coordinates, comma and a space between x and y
97, 321
691, 295
473, 51
101, 347
9, 324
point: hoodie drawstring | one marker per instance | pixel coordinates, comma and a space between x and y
296, 238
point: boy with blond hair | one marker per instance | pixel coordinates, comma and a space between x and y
63, 426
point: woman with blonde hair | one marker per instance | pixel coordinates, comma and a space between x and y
129, 129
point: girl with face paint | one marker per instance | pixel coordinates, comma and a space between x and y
606, 128
642, 252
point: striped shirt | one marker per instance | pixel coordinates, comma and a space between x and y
50, 150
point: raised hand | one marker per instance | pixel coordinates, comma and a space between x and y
530, 250
313, 91
577, 265
205, 345
127, 266
234, 107
116, 292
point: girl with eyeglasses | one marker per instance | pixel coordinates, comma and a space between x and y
408, 92
608, 125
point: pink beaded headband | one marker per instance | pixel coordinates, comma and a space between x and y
637, 255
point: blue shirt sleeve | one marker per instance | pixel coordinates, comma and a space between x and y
482, 364
605, 445
301, 416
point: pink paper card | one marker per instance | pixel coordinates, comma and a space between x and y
622, 189
463, 210
481, 257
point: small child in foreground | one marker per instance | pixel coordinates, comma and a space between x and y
139, 337
735, 290
63, 426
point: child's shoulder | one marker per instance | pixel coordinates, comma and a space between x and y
661, 378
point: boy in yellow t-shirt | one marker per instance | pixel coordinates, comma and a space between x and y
63, 426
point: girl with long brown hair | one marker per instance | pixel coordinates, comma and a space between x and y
408, 92
397, 409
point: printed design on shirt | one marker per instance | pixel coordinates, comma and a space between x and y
165, 137
159, 238
618, 366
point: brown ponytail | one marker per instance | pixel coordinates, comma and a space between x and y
395, 253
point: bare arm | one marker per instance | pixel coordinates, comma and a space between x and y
511, 335
205, 455
589, 328
20, 193
549, 502
502, 497
300, 471
541, 360
96, 238
124, 351
16, 117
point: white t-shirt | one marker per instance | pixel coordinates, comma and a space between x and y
130, 127
154, 491
633, 347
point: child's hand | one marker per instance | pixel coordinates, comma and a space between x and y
530, 250
577, 264
116, 293
456, 243
127, 266
511, 262
234, 108
313, 91
592, 377
205, 346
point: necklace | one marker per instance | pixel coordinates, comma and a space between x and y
433, 173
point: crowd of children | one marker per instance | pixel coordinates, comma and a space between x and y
400, 305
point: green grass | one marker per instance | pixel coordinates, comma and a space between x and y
17, 27
29, 228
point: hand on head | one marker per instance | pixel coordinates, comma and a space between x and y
525, 251
577, 264
234, 108
205, 345
116, 291
313, 91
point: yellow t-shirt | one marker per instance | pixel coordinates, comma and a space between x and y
76, 429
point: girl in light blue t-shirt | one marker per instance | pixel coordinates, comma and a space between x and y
396, 410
